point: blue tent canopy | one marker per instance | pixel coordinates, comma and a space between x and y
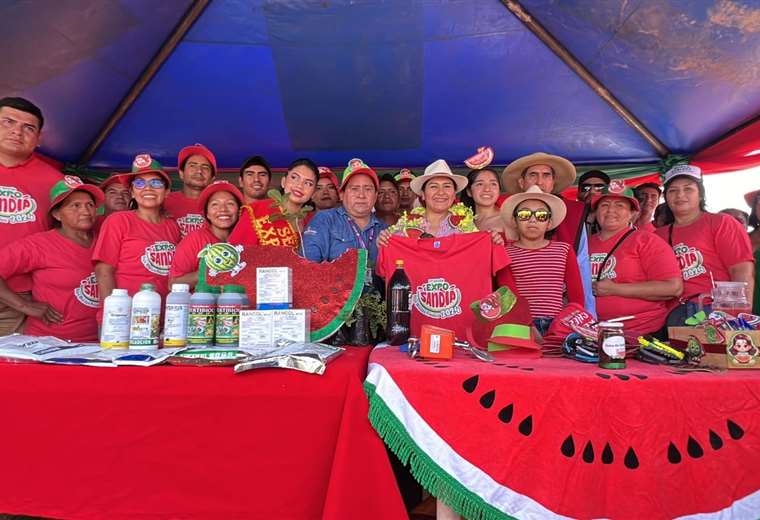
397, 82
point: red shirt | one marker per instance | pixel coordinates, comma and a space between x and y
186, 257
711, 244
542, 276
24, 203
185, 211
255, 226
648, 227
447, 274
139, 251
62, 276
641, 257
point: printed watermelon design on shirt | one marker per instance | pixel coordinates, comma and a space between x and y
437, 298
16, 207
87, 292
596, 263
222, 258
158, 257
690, 261
190, 222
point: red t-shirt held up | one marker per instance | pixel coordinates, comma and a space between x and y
62, 276
185, 211
711, 244
447, 274
24, 204
139, 251
186, 256
641, 257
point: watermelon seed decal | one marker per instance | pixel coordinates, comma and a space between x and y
486, 401
693, 448
527, 369
631, 461
607, 455
715, 441
505, 414
526, 426
640, 376
674, 456
568, 446
604, 376
470, 384
622, 377
734, 430
588, 453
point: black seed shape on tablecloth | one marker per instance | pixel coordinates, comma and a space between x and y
588, 453
440, 366
487, 399
505, 414
674, 456
527, 369
734, 430
604, 376
640, 376
513, 366
470, 384
526, 426
607, 456
715, 441
622, 377
693, 448
631, 461
568, 447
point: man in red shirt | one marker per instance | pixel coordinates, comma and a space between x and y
648, 195
553, 174
405, 194
25, 182
197, 168
255, 175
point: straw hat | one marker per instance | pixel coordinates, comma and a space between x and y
556, 206
564, 171
438, 169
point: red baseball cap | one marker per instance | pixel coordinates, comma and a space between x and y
196, 149
359, 167
327, 173
115, 178
68, 185
143, 164
215, 187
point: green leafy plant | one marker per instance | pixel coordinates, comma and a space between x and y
371, 305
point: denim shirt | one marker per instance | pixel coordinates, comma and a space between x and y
329, 234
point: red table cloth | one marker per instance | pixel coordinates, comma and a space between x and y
556, 438
177, 442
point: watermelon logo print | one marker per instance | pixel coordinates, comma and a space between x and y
609, 269
87, 292
223, 258
158, 257
437, 298
690, 261
16, 207
190, 223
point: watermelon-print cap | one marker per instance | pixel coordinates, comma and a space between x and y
616, 190
68, 185
358, 167
143, 164
405, 174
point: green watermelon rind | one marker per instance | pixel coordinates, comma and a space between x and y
348, 307
423, 468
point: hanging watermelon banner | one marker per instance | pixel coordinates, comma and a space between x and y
553, 438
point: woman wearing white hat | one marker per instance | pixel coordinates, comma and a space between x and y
545, 271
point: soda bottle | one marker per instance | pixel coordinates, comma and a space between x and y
397, 304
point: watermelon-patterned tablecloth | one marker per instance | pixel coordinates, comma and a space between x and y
556, 438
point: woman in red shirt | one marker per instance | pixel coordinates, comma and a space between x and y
709, 247
64, 292
220, 203
137, 246
633, 272
269, 223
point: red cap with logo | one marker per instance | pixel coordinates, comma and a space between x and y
196, 149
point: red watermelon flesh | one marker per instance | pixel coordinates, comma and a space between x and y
330, 290
575, 440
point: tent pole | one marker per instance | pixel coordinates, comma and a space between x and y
184, 25
576, 66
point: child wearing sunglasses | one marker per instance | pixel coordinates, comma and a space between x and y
545, 272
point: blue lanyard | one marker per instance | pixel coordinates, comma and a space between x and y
358, 234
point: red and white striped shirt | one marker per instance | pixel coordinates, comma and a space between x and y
543, 275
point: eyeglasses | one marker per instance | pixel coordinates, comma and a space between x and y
542, 215
26, 128
156, 184
588, 187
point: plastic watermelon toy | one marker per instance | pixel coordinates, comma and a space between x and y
553, 438
330, 290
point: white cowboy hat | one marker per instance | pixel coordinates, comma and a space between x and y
556, 206
564, 171
438, 169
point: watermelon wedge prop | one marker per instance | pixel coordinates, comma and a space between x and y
330, 290
554, 438
482, 158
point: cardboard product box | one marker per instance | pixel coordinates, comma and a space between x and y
274, 288
716, 354
262, 328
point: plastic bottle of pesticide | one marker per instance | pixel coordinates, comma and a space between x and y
117, 309
175, 315
146, 318
228, 308
201, 318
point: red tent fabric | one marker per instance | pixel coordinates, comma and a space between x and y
739, 151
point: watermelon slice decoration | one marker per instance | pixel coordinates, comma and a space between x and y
481, 159
553, 438
330, 290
